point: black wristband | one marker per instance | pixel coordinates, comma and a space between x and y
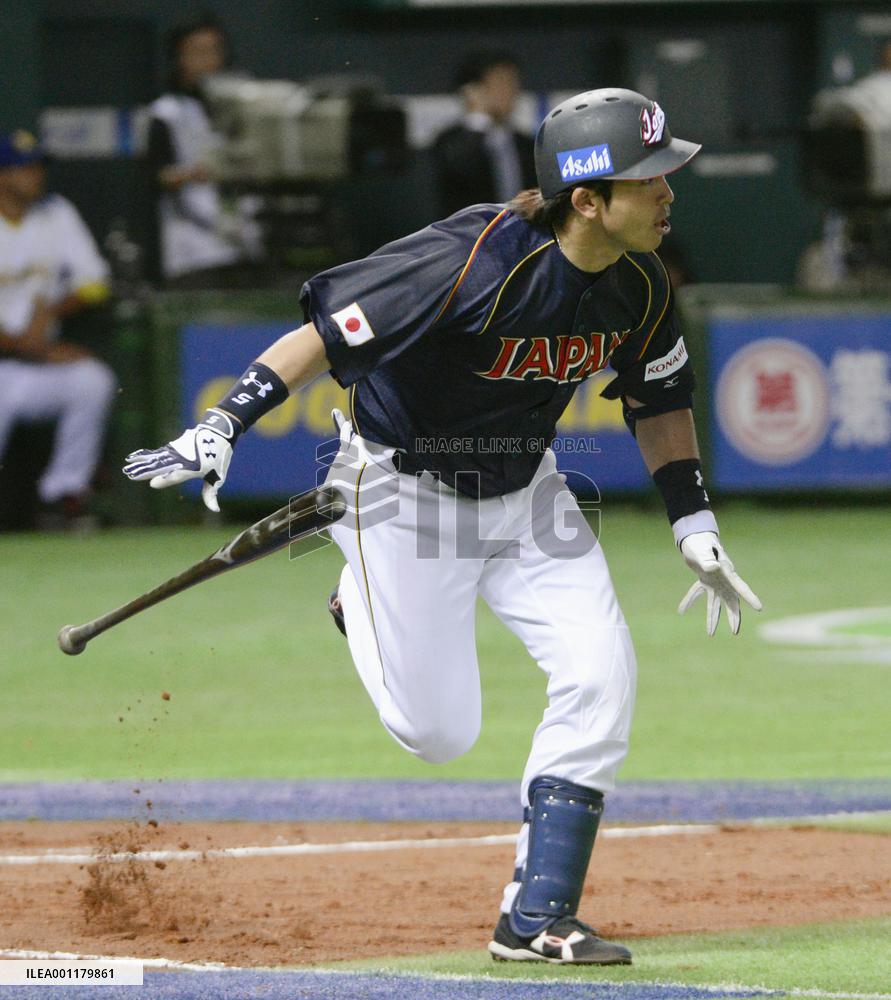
258, 391
680, 484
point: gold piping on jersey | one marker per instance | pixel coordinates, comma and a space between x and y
664, 308
353, 409
646, 278
365, 575
466, 267
507, 279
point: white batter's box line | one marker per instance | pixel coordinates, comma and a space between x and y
174, 964
824, 995
818, 818
150, 963
347, 847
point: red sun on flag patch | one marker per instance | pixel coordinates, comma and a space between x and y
353, 324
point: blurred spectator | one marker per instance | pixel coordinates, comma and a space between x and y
854, 251
197, 236
483, 158
50, 268
883, 63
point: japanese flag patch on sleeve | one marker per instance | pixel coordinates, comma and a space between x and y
353, 324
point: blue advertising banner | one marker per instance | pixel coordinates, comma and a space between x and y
278, 458
801, 401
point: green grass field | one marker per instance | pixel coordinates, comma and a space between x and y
262, 685
843, 959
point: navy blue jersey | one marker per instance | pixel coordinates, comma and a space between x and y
465, 342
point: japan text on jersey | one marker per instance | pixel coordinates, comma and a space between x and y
479, 324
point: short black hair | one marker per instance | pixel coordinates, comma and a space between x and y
474, 66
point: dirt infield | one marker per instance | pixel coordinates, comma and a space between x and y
265, 911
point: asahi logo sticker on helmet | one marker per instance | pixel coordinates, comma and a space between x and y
590, 161
652, 125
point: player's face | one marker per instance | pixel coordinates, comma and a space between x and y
25, 183
637, 215
200, 54
499, 90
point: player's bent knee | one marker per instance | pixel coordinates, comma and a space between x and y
445, 748
436, 744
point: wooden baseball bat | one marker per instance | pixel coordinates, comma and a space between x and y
304, 515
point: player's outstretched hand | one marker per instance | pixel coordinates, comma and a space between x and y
201, 452
718, 580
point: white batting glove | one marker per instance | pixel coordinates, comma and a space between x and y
202, 452
718, 580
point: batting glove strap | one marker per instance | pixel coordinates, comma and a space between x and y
702, 520
252, 396
718, 580
223, 424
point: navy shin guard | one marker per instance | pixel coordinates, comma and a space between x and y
563, 820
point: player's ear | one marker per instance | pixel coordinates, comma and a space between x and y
587, 203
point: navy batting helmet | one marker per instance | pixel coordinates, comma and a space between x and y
607, 134
19, 148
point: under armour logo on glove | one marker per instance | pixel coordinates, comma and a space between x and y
263, 387
700, 483
209, 447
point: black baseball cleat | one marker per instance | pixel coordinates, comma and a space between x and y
336, 610
566, 942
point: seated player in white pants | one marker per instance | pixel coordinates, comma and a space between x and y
464, 343
49, 268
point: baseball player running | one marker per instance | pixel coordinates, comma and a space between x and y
463, 344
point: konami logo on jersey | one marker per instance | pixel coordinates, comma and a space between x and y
669, 363
577, 357
589, 161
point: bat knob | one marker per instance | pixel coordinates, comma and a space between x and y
70, 642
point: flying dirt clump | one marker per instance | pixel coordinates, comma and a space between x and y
118, 895
130, 897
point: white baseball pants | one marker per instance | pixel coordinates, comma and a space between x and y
77, 395
418, 554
